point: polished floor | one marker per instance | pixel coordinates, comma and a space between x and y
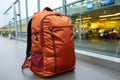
12, 53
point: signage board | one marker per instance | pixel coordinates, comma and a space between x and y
106, 2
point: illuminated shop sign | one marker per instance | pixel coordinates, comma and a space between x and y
90, 6
106, 2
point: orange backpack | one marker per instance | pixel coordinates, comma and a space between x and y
50, 44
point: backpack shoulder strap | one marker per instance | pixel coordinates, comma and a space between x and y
29, 43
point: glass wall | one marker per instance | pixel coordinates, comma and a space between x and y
70, 1
24, 29
32, 7
60, 10
23, 9
50, 3
10, 27
9, 16
17, 21
23, 21
96, 25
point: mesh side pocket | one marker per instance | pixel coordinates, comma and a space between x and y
37, 60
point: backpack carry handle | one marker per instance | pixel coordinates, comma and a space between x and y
47, 9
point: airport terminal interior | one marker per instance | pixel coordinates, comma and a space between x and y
96, 29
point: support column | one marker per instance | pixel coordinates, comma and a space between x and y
117, 50
10, 33
10, 27
15, 20
20, 23
80, 28
38, 1
64, 7
26, 3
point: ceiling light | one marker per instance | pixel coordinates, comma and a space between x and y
102, 19
77, 19
86, 18
86, 21
116, 18
116, 14
106, 16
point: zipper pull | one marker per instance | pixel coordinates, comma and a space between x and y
35, 36
51, 32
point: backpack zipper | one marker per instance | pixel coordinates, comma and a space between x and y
54, 47
41, 35
53, 40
